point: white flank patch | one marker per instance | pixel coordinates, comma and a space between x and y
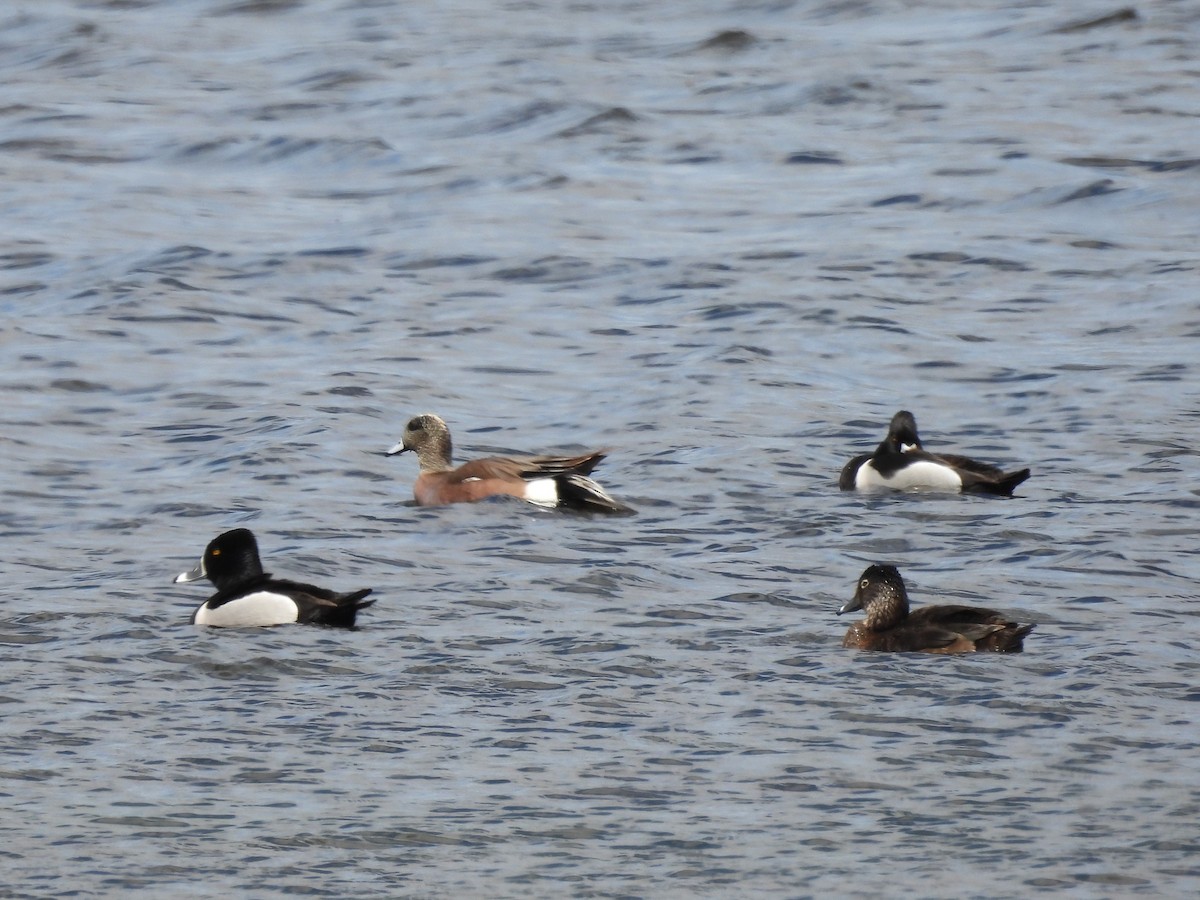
916, 476
542, 491
261, 608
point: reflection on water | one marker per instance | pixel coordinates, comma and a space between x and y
246, 241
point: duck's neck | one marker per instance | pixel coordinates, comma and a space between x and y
887, 609
434, 455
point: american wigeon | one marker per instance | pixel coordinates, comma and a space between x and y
248, 596
901, 463
547, 481
932, 629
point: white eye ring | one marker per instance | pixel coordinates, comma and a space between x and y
864, 583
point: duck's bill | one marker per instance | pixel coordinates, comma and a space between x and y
850, 606
398, 448
194, 575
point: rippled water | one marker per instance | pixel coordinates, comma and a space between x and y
244, 241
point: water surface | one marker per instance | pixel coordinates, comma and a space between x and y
244, 242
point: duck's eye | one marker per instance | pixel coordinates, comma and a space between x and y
864, 583
415, 425
216, 551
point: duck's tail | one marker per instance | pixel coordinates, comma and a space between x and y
1009, 639
579, 492
1002, 486
346, 608
1009, 482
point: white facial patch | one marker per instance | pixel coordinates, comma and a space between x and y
253, 610
917, 476
542, 491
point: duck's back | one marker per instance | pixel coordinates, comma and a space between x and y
321, 606
944, 629
987, 629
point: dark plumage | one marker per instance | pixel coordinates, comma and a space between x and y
248, 596
889, 625
900, 462
543, 480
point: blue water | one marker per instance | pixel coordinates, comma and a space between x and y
243, 243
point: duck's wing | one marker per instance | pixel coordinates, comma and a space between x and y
325, 607
951, 616
923, 637
526, 468
966, 464
986, 629
981, 477
552, 466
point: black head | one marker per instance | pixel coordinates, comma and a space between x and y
229, 559
902, 432
881, 593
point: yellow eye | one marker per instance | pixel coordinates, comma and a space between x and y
216, 551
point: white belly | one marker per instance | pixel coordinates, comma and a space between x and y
261, 608
918, 476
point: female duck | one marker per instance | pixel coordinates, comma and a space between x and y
248, 596
932, 629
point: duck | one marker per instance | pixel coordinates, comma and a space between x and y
247, 596
545, 481
890, 626
901, 463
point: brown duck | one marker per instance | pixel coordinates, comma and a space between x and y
932, 629
548, 481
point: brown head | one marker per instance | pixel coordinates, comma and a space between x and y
428, 437
882, 597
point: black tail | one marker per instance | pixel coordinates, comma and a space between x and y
1009, 482
1009, 639
346, 608
1003, 486
581, 493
